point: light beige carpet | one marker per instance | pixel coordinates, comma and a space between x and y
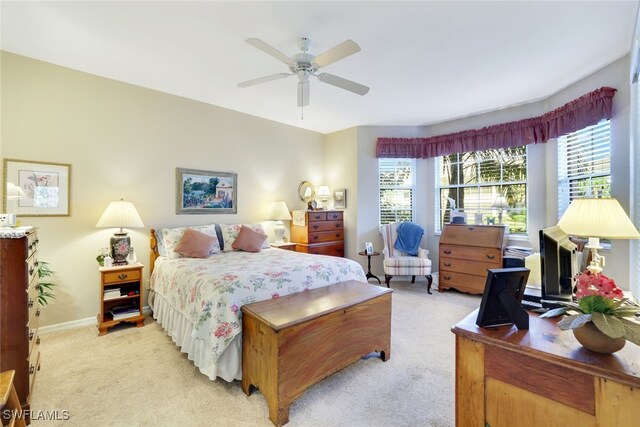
138, 377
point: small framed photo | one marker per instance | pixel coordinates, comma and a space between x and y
205, 192
33, 188
368, 248
340, 198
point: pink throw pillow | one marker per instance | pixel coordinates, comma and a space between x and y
195, 244
249, 240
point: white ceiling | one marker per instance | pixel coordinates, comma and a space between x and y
425, 62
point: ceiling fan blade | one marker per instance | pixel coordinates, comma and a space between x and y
268, 49
264, 79
343, 83
344, 49
303, 94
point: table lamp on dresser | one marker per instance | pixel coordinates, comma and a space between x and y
120, 214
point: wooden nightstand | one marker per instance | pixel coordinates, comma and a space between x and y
286, 246
125, 280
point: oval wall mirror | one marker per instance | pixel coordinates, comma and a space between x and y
306, 191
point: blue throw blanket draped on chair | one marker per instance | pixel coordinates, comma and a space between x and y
409, 237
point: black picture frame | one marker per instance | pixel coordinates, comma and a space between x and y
501, 299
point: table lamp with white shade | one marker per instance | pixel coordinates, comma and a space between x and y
120, 214
500, 203
324, 194
597, 218
278, 212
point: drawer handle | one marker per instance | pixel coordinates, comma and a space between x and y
38, 340
30, 246
471, 228
36, 242
317, 217
37, 263
335, 216
337, 225
31, 334
30, 303
38, 313
122, 276
337, 234
447, 251
315, 227
315, 237
446, 277
32, 369
30, 271
491, 256
447, 264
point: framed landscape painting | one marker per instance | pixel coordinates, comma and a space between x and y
205, 192
33, 188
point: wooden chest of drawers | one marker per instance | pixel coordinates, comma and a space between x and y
323, 233
292, 342
466, 252
20, 311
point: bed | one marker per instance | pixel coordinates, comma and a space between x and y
198, 301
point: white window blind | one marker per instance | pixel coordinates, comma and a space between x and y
584, 164
397, 180
635, 197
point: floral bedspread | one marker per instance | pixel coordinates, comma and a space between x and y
209, 292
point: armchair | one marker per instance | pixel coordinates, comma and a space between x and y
400, 263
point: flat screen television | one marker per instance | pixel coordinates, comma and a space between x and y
558, 265
501, 299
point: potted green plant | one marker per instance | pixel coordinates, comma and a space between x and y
602, 319
45, 284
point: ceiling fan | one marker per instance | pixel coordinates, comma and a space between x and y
304, 65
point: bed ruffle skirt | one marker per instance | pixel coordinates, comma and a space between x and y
229, 364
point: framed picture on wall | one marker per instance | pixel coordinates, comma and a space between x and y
340, 198
33, 188
205, 192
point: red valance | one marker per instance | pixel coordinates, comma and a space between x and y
585, 111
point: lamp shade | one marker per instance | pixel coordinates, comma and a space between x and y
120, 214
14, 192
500, 202
323, 191
278, 211
598, 217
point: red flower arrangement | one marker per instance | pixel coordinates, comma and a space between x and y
591, 284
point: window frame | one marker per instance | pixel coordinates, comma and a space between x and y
411, 187
480, 184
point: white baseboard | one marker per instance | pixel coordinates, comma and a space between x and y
73, 324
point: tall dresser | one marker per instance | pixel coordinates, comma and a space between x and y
322, 233
19, 310
466, 253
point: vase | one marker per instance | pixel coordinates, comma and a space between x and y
592, 339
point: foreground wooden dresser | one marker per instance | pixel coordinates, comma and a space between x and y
323, 233
291, 343
466, 253
19, 310
541, 377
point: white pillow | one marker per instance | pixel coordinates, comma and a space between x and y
171, 237
230, 232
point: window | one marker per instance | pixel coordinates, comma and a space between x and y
474, 180
584, 164
397, 178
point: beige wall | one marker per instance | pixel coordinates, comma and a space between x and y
125, 141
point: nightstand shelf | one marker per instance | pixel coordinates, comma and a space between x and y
126, 278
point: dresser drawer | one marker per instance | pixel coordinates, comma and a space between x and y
325, 226
333, 249
490, 255
32, 300
32, 267
475, 268
34, 367
467, 235
334, 216
462, 282
317, 216
33, 334
32, 244
123, 276
326, 236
